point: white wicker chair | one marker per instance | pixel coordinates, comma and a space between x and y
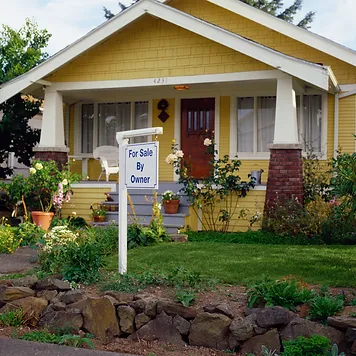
109, 160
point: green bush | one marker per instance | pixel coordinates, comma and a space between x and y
137, 235
287, 294
8, 241
323, 306
29, 233
315, 346
106, 237
12, 318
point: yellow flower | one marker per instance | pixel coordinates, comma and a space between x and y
74, 213
65, 182
32, 170
174, 140
38, 166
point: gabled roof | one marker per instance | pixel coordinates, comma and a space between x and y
299, 34
312, 73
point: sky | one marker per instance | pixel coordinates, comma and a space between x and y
68, 20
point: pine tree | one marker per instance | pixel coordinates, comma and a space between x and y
273, 7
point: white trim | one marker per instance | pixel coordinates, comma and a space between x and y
349, 93
299, 34
217, 126
177, 128
310, 72
112, 186
77, 129
233, 126
347, 87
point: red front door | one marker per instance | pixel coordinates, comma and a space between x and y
197, 124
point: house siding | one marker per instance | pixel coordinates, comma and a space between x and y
347, 124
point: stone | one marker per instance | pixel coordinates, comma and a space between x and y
243, 329
127, 318
72, 296
353, 348
78, 305
210, 330
47, 294
302, 327
182, 325
161, 329
50, 283
141, 320
171, 308
273, 316
68, 320
146, 303
350, 335
233, 343
100, 318
12, 293
348, 310
32, 308
222, 308
113, 301
341, 322
179, 238
254, 345
47, 310
59, 306
120, 297
28, 281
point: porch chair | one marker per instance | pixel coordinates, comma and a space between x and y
109, 160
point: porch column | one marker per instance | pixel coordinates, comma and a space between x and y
285, 175
52, 144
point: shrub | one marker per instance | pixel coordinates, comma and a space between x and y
106, 237
323, 306
8, 241
287, 294
315, 346
29, 233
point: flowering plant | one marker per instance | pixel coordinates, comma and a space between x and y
169, 195
48, 186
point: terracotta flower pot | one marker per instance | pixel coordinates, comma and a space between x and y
171, 206
42, 219
99, 218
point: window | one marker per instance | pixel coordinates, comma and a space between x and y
100, 129
256, 120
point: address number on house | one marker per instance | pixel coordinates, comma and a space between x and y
160, 80
141, 163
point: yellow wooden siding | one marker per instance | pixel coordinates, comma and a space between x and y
165, 140
345, 73
330, 126
81, 201
347, 127
224, 144
151, 48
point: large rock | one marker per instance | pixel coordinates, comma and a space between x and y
12, 293
79, 305
141, 320
32, 308
273, 316
243, 329
120, 296
28, 281
161, 328
52, 284
254, 345
182, 325
210, 330
69, 320
350, 335
47, 294
302, 327
145, 303
59, 306
127, 318
171, 308
222, 308
72, 296
100, 318
341, 322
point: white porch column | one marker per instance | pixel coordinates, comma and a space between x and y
52, 134
286, 126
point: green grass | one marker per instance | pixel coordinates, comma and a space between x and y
334, 266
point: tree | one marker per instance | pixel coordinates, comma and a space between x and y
20, 51
273, 7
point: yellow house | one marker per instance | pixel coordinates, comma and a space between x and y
262, 85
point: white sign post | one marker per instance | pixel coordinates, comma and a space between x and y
138, 170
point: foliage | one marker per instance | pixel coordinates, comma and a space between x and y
185, 297
287, 294
98, 210
321, 307
73, 222
20, 50
106, 237
8, 241
169, 195
29, 233
76, 341
217, 195
273, 7
12, 318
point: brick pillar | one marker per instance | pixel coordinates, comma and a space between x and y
285, 175
59, 155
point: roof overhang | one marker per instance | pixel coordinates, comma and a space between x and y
314, 74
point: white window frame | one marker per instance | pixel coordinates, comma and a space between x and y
78, 119
266, 155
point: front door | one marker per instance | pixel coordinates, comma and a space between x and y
197, 124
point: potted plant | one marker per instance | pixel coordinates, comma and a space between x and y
98, 212
170, 201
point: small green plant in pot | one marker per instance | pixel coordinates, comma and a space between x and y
98, 212
170, 201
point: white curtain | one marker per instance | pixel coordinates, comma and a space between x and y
141, 119
312, 114
87, 128
265, 122
245, 124
113, 118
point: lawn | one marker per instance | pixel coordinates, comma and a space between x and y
334, 266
